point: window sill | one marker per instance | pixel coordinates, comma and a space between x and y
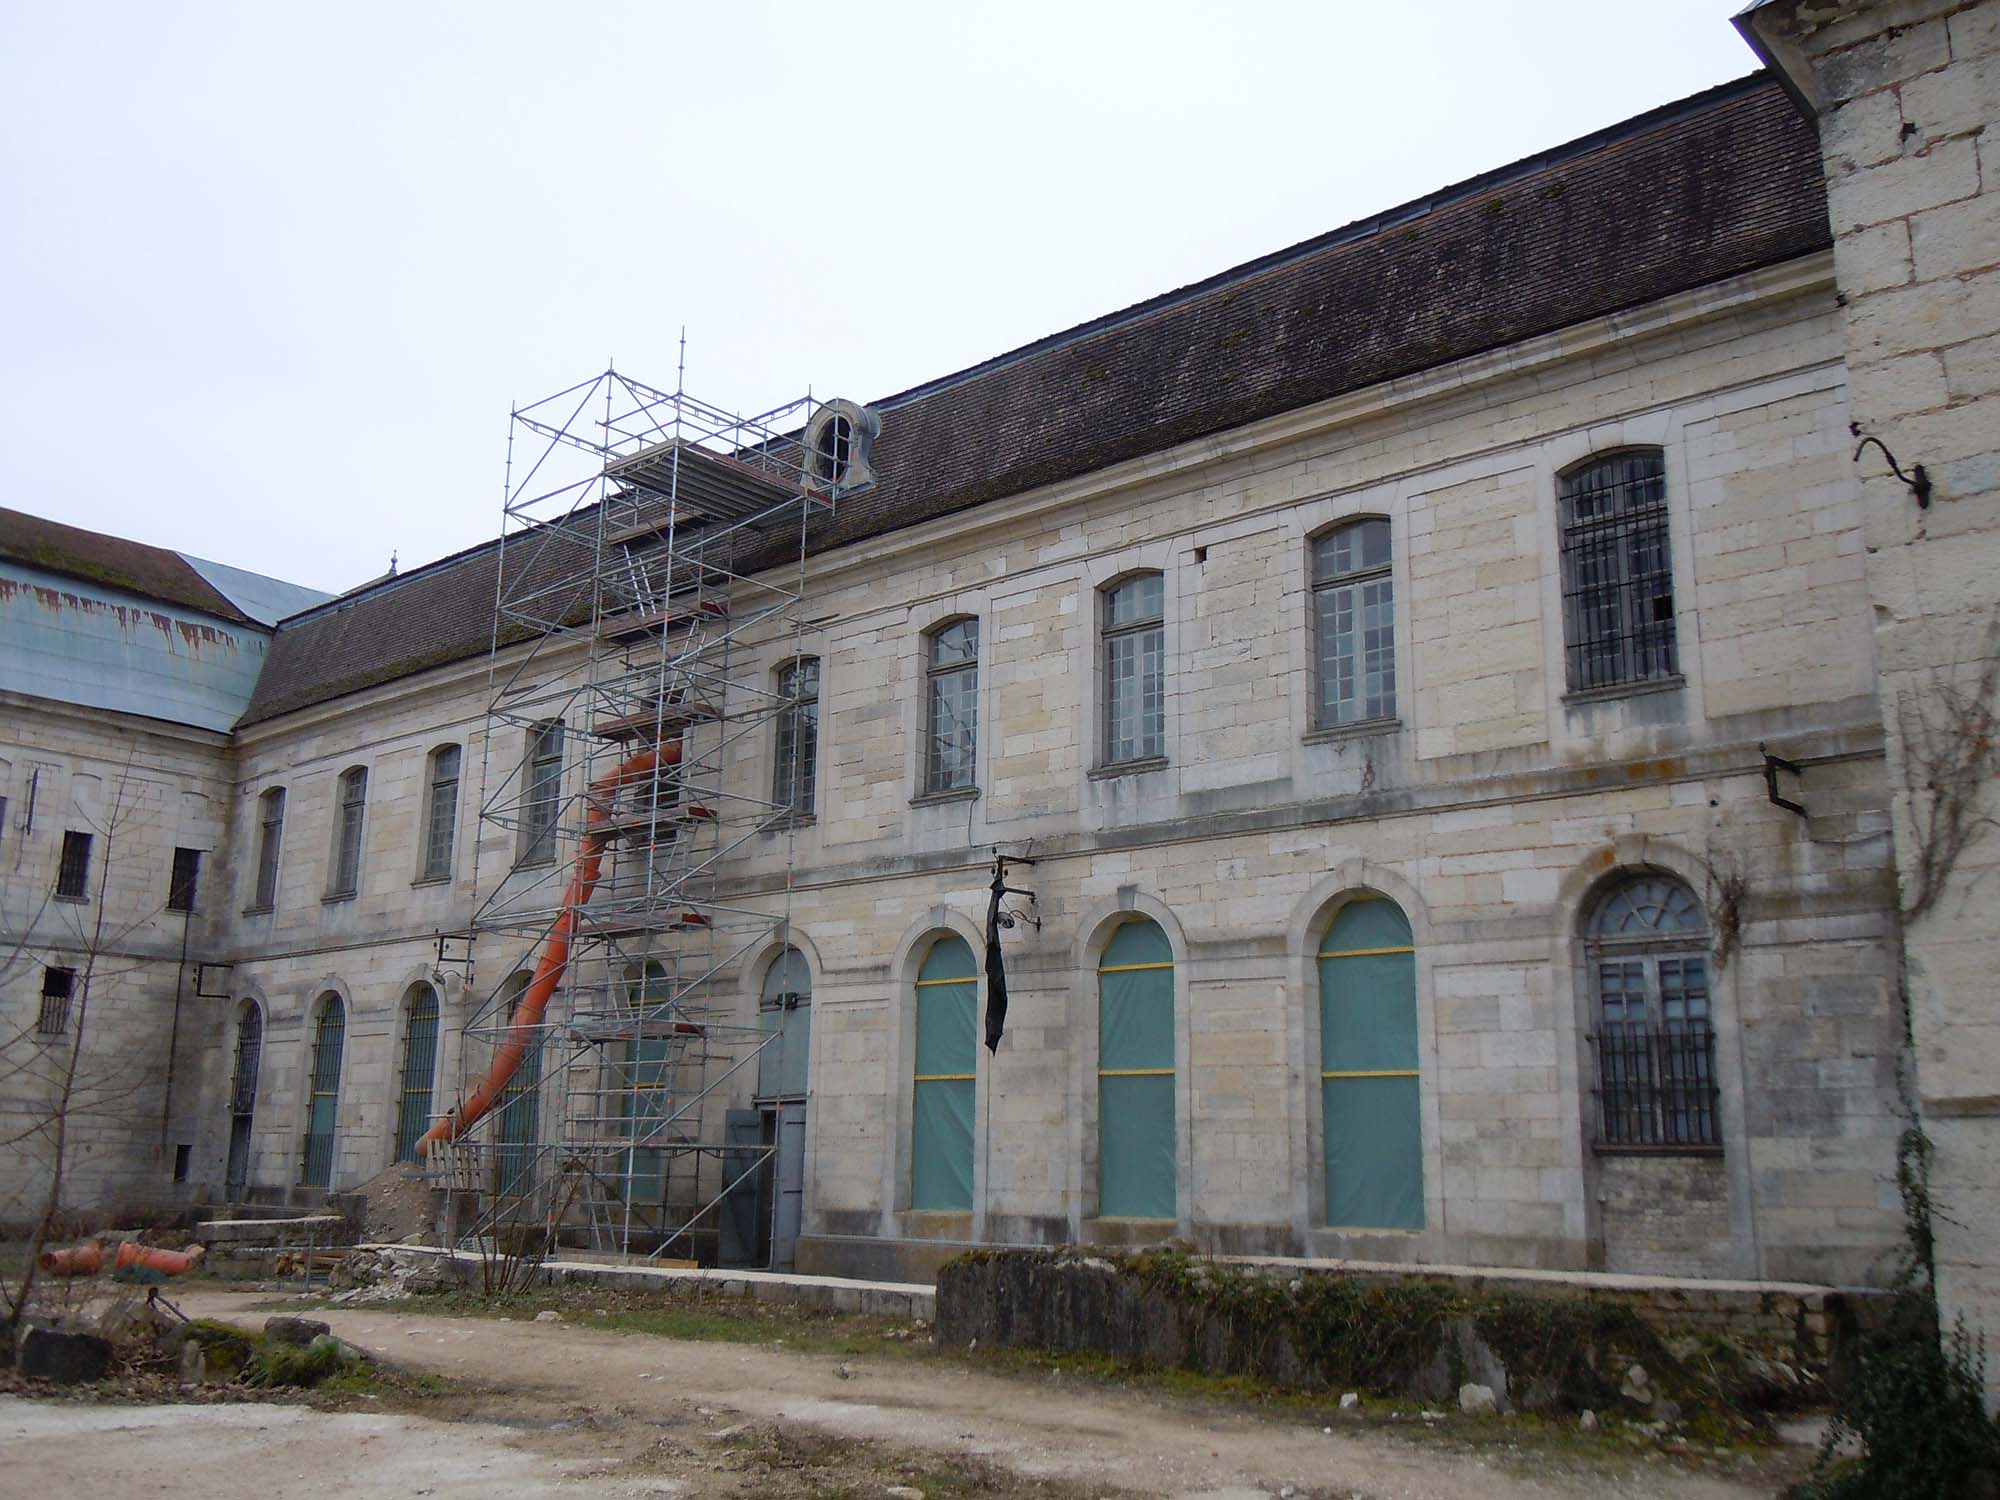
1601, 1148
258, 911
1613, 690
1333, 734
954, 794
1128, 768
427, 880
333, 898
785, 823
532, 864
71, 900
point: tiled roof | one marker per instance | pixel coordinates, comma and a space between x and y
1708, 188
112, 562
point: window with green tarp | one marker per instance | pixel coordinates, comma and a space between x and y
1368, 1069
1135, 1075
942, 1096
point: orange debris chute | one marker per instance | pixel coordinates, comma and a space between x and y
82, 1260
534, 1002
143, 1263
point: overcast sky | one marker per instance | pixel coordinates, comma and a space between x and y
271, 274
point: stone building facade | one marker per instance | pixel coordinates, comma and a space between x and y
1905, 98
1434, 669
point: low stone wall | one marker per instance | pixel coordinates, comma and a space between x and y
1540, 1339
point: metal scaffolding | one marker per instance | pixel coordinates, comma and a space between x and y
652, 571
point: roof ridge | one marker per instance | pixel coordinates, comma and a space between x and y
1349, 233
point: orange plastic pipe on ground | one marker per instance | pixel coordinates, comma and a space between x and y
134, 1256
83, 1260
534, 1001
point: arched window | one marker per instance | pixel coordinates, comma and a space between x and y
520, 1103
1136, 1144
943, 1090
832, 447
784, 1006
323, 1101
1368, 1069
243, 1098
1354, 625
795, 782
1618, 577
1133, 630
270, 839
420, 1036
349, 811
441, 812
1647, 947
951, 714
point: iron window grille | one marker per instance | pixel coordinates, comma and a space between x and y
420, 1039
795, 781
249, 1053
182, 883
1135, 669
1618, 587
270, 836
952, 695
441, 821
323, 1102
57, 987
543, 804
73, 873
1654, 1037
1354, 625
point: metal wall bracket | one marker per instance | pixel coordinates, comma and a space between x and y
1918, 481
1773, 764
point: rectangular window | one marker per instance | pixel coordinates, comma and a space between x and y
443, 819
57, 985
952, 739
270, 835
795, 784
73, 874
349, 809
1354, 626
186, 876
1618, 586
542, 802
183, 1159
1135, 670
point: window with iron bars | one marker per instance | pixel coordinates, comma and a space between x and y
1618, 585
73, 873
57, 986
182, 882
1654, 1033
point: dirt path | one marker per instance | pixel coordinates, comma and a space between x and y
659, 1407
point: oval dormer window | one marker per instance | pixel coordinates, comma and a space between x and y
838, 442
836, 446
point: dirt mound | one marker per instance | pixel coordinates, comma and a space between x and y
399, 1208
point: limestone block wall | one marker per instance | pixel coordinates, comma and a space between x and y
1490, 810
141, 788
1906, 97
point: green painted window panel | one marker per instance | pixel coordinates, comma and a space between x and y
1374, 1153
1368, 1012
1139, 942
941, 1146
1368, 924
1136, 1148
781, 1066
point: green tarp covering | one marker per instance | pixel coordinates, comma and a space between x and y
941, 1127
1135, 1032
1368, 1024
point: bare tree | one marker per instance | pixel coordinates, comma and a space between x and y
76, 1086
